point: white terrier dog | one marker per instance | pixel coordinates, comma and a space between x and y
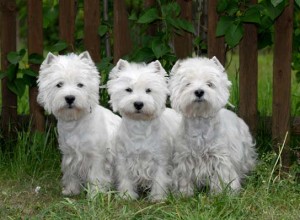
214, 146
144, 140
69, 89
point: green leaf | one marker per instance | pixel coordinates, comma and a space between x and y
2, 74
298, 76
223, 25
264, 39
186, 25
12, 71
35, 58
102, 30
298, 2
251, 15
234, 34
149, 16
222, 5
144, 54
159, 48
15, 57
17, 86
276, 2
29, 80
30, 72
171, 9
59, 46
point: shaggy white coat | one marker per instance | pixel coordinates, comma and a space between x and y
143, 145
213, 146
85, 129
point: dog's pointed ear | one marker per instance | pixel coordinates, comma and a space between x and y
50, 57
85, 55
175, 67
122, 64
156, 65
218, 64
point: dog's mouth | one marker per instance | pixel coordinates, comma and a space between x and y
138, 112
70, 106
199, 100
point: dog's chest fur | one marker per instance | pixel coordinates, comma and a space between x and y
141, 145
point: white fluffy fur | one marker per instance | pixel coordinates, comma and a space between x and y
85, 128
213, 146
144, 139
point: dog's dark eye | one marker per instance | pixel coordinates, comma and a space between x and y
80, 85
128, 90
209, 84
148, 90
188, 84
59, 85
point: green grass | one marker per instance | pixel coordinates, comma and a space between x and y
33, 159
35, 162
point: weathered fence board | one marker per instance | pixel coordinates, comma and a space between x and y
183, 44
282, 81
35, 45
8, 44
91, 25
248, 76
122, 41
67, 13
216, 45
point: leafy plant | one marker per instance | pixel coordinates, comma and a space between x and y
235, 13
19, 73
164, 17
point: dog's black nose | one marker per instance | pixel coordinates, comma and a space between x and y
138, 105
199, 93
70, 99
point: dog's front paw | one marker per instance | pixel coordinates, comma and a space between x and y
186, 191
129, 195
70, 191
157, 197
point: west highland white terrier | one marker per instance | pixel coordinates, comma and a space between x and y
213, 147
69, 89
144, 140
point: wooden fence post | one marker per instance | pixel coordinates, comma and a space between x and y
216, 45
67, 13
8, 44
122, 41
183, 44
91, 25
282, 81
248, 76
35, 45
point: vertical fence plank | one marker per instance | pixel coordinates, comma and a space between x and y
282, 81
35, 45
183, 43
122, 41
8, 44
216, 45
67, 13
248, 76
91, 25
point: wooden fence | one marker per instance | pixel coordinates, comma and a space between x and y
122, 45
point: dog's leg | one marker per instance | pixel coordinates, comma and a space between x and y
70, 180
182, 177
126, 186
160, 184
224, 176
98, 178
